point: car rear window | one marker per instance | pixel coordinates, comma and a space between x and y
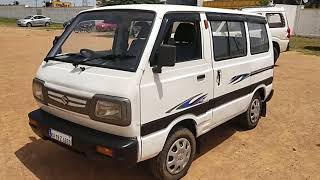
275, 20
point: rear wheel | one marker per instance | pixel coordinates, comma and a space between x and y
276, 54
251, 118
175, 159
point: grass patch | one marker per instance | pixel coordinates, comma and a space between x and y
7, 22
305, 45
55, 26
12, 22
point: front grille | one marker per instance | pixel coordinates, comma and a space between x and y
67, 101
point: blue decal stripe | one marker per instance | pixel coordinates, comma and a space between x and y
188, 103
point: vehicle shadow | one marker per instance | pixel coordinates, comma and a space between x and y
312, 48
218, 135
47, 160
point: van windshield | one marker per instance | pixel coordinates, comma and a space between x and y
112, 39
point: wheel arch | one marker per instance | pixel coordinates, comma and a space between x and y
150, 149
262, 90
276, 45
186, 123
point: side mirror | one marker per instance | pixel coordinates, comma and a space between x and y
55, 40
166, 56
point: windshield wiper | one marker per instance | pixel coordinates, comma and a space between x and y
46, 59
106, 57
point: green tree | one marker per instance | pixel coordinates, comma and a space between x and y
119, 2
16, 3
264, 2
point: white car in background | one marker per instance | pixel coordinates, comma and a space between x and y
278, 25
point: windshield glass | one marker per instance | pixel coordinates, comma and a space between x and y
112, 39
28, 17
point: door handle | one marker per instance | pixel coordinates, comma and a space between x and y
201, 77
218, 77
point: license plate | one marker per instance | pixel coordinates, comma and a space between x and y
61, 137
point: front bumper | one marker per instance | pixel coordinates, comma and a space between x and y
85, 140
19, 23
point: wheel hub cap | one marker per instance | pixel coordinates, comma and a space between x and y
178, 156
255, 111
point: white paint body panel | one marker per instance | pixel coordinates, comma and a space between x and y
152, 95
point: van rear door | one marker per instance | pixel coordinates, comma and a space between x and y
231, 66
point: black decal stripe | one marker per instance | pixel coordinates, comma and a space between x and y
218, 101
162, 123
261, 70
241, 77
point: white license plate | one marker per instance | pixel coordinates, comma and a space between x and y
61, 137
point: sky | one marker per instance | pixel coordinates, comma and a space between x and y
33, 2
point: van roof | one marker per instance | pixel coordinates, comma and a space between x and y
264, 9
162, 9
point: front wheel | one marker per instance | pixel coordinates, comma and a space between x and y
47, 24
29, 25
251, 118
175, 159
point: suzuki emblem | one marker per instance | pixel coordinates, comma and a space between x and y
65, 100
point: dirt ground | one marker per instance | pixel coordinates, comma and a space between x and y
285, 145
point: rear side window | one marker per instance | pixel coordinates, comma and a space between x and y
229, 39
259, 42
275, 20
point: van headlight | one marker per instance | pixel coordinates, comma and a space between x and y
112, 110
37, 89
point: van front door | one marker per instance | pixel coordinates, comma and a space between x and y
184, 89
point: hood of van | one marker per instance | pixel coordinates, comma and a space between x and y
87, 81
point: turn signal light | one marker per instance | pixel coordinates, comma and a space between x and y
206, 24
104, 151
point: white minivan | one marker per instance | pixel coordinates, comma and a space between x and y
279, 27
149, 88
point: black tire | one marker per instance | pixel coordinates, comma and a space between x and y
29, 25
276, 54
47, 24
250, 119
158, 164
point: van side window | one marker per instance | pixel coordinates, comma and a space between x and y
183, 31
259, 42
185, 35
229, 39
275, 20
